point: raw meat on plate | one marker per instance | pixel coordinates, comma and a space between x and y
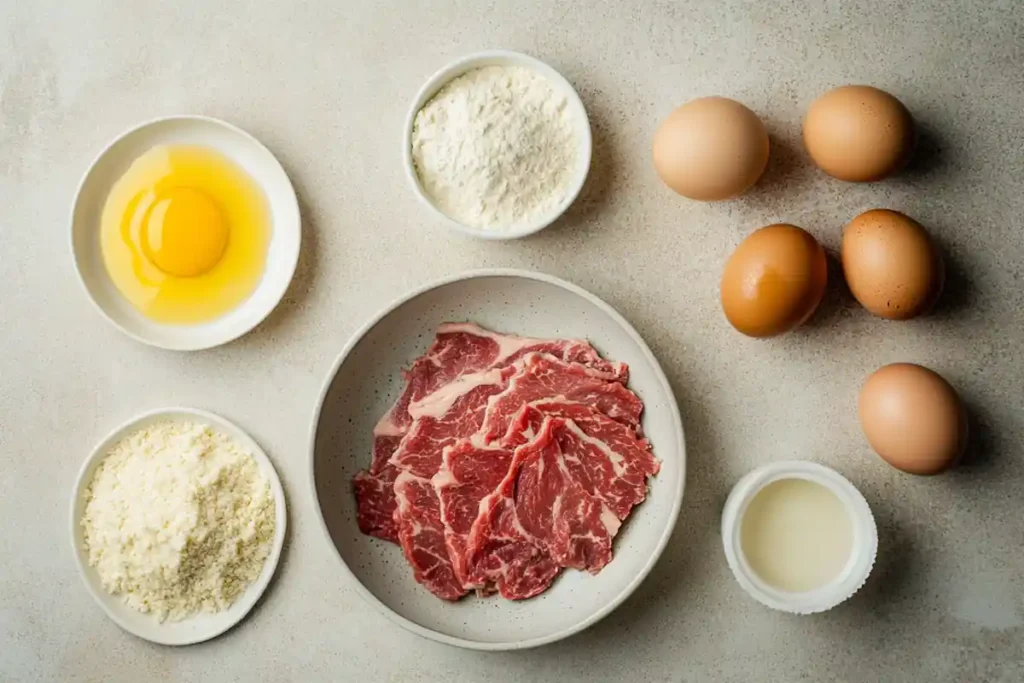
469, 473
539, 516
514, 563
453, 412
458, 349
603, 456
376, 504
504, 460
606, 457
595, 453
457, 413
543, 377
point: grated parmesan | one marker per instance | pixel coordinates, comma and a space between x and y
178, 520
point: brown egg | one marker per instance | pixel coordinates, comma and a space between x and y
859, 133
891, 265
774, 281
709, 149
913, 418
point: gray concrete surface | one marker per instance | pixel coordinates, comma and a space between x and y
325, 85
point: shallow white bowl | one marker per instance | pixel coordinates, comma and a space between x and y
201, 626
501, 58
244, 150
364, 382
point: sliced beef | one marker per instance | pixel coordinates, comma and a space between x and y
449, 356
375, 492
606, 457
505, 349
451, 412
480, 494
421, 535
469, 473
544, 377
458, 349
454, 412
540, 507
457, 411
463, 348
376, 504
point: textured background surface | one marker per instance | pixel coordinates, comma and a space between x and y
325, 85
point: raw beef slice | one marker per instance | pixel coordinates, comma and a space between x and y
421, 535
512, 562
539, 506
376, 503
611, 462
375, 492
469, 473
452, 413
466, 475
463, 348
604, 456
458, 349
544, 377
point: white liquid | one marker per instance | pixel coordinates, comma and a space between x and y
796, 535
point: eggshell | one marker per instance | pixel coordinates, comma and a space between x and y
891, 265
859, 133
711, 148
913, 418
773, 281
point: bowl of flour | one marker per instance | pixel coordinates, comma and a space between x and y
498, 144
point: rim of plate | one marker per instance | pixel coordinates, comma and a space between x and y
254, 591
453, 70
278, 292
680, 483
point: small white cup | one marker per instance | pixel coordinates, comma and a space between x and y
853, 574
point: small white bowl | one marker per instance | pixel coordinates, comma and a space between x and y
249, 154
501, 58
202, 626
366, 379
858, 566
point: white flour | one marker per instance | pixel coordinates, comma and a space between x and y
496, 147
178, 520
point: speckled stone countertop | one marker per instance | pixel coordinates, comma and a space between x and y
325, 85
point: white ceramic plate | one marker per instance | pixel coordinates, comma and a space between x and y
244, 150
364, 382
202, 626
501, 58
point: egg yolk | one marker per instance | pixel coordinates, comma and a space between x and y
185, 232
